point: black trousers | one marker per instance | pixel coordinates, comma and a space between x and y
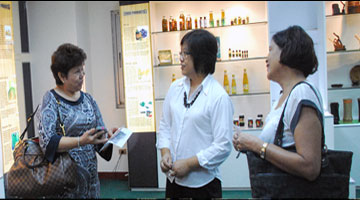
210, 190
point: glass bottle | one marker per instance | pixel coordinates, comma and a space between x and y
188, 23
229, 53
182, 19
211, 19
173, 78
245, 83
196, 23
239, 20
347, 111
233, 85
170, 23
205, 23
222, 17
201, 22
259, 122
237, 53
164, 24
241, 120
226, 82
174, 24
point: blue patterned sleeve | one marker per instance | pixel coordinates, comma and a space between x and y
47, 123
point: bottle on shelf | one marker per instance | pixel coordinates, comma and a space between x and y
188, 22
170, 23
233, 85
239, 20
245, 83
173, 78
201, 23
205, 23
259, 121
164, 24
196, 23
182, 20
174, 24
211, 19
222, 17
226, 82
230, 53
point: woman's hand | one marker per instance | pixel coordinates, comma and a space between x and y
93, 137
166, 160
244, 142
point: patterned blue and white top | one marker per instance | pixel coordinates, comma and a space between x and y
78, 117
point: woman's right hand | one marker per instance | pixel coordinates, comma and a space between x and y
93, 137
166, 160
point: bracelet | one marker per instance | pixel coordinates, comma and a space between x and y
263, 150
78, 141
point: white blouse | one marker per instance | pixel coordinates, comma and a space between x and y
302, 95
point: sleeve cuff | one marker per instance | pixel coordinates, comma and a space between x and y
201, 158
50, 153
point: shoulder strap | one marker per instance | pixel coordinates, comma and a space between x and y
280, 129
29, 120
60, 120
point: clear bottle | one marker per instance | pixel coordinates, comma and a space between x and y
211, 19
205, 23
222, 17
164, 24
201, 22
226, 82
245, 83
173, 78
233, 85
188, 22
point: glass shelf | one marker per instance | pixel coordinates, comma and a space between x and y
345, 88
233, 95
355, 123
221, 61
343, 52
333, 16
209, 28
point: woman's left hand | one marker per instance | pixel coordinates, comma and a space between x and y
180, 168
244, 141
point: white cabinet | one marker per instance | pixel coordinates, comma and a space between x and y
252, 36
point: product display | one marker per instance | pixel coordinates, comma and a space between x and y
222, 17
164, 24
233, 85
250, 123
226, 82
245, 83
347, 111
211, 19
334, 109
259, 122
173, 78
241, 120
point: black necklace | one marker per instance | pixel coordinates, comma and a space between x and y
187, 105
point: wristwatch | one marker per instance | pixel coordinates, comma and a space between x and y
263, 150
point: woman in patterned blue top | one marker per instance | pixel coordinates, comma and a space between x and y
80, 115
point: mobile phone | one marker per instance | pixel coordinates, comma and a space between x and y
101, 128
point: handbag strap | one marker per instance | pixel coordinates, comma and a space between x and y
29, 120
280, 129
60, 120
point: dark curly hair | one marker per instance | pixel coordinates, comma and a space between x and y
297, 50
203, 49
66, 57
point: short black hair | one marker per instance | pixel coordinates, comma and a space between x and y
203, 49
297, 50
66, 57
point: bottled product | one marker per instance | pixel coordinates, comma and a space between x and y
182, 21
174, 23
164, 24
241, 120
237, 53
226, 82
205, 23
173, 78
247, 19
196, 23
229, 53
222, 17
170, 23
217, 23
211, 19
250, 123
201, 22
188, 23
347, 111
233, 85
245, 83
259, 122
239, 20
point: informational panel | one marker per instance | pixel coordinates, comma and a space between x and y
9, 114
136, 57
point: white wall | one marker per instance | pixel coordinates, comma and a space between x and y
86, 25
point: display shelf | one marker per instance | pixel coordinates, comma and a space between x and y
220, 61
343, 52
341, 15
355, 123
210, 28
345, 88
232, 95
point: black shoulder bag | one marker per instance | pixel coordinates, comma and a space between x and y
268, 181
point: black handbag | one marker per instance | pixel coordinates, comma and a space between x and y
268, 181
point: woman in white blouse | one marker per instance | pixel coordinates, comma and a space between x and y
291, 59
196, 127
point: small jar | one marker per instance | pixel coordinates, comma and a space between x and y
241, 120
259, 122
250, 123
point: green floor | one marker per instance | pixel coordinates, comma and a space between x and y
120, 190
